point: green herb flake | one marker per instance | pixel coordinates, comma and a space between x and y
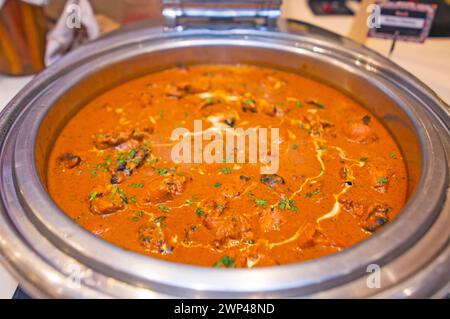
225, 170
164, 208
287, 204
93, 196
225, 261
162, 171
199, 212
383, 180
249, 102
294, 146
312, 193
220, 208
217, 184
189, 202
137, 185
159, 221
261, 202
131, 153
392, 155
299, 104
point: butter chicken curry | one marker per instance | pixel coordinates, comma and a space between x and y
341, 176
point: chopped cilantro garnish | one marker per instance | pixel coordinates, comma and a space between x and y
287, 204
162, 171
163, 208
199, 212
225, 170
189, 202
312, 193
261, 202
225, 261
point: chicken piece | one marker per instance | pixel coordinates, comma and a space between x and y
132, 161
376, 217
249, 106
272, 180
167, 189
360, 133
106, 202
273, 110
181, 90
68, 160
105, 141
381, 175
271, 220
352, 207
228, 227
152, 237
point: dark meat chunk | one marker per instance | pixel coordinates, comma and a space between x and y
377, 217
68, 160
244, 178
230, 121
125, 168
249, 106
181, 90
105, 141
272, 180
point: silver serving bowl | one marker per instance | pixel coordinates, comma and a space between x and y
52, 256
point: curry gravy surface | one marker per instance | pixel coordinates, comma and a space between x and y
341, 175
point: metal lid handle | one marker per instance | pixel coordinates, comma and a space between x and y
181, 14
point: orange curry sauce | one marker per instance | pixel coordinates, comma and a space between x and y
341, 175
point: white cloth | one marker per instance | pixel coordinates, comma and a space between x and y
35, 2
76, 13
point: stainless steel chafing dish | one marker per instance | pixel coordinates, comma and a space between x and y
46, 251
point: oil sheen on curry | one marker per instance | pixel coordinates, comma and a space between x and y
341, 176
